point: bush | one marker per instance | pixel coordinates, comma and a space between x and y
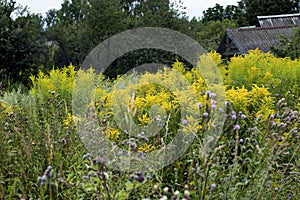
254, 155
280, 75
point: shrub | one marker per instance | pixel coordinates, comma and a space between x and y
280, 75
254, 155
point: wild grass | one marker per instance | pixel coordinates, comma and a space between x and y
256, 156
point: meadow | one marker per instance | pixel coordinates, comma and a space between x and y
256, 154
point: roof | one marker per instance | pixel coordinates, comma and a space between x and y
241, 40
279, 20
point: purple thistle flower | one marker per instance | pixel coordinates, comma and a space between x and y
140, 176
213, 95
273, 123
269, 184
227, 103
205, 114
141, 154
213, 186
200, 105
185, 122
282, 125
139, 173
243, 116
237, 127
132, 146
295, 133
233, 117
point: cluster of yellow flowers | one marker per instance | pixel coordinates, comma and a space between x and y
251, 83
257, 101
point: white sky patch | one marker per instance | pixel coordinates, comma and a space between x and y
194, 8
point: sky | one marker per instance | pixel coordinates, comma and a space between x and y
194, 8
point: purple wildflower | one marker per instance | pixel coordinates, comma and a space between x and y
295, 133
269, 184
237, 127
140, 179
213, 95
200, 105
213, 186
185, 122
205, 114
233, 117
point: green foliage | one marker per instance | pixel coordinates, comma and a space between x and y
246, 12
59, 81
78, 26
255, 103
255, 155
210, 33
265, 69
22, 44
254, 8
288, 47
219, 13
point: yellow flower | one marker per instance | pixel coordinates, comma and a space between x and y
112, 134
2, 105
144, 119
71, 120
146, 147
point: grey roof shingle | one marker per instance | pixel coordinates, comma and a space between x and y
241, 40
272, 28
279, 20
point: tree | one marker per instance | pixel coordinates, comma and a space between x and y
22, 43
64, 30
80, 25
230, 12
246, 12
214, 14
288, 47
150, 13
211, 32
254, 8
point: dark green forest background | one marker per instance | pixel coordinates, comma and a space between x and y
30, 43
